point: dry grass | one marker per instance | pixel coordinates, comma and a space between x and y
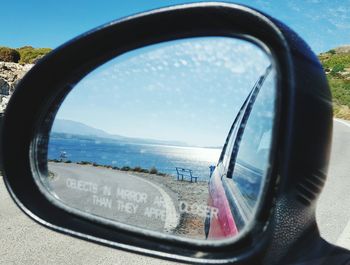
341, 111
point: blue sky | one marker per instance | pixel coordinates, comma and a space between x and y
323, 24
187, 90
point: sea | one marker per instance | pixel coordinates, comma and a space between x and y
119, 153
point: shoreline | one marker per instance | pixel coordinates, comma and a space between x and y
137, 169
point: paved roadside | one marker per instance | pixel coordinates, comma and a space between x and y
333, 207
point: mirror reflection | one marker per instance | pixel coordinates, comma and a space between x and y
174, 138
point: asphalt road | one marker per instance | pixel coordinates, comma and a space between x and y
25, 242
333, 208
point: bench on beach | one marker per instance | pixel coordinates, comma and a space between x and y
184, 172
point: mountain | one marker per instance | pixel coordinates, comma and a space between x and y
78, 128
63, 127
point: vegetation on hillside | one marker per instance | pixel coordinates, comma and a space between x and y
9, 55
31, 55
337, 67
23, 55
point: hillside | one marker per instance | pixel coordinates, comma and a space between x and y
336, 63
23, 55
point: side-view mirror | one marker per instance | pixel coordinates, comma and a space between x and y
197, 133
167, 122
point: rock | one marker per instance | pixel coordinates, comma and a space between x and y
10, 75
4, 87
3, 103
343, 49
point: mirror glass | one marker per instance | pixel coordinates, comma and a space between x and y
173, 138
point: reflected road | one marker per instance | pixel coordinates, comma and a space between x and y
115, 195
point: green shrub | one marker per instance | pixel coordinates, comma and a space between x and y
153, 170
137, 169
331, 51
125, 168
67, 161
9, 55
115, 168
84, 163
28, 54
337, 59
140, 169
337, 68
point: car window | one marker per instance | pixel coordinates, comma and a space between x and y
251, 162
228, 148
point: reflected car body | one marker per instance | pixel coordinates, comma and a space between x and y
223, 224
235, 184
